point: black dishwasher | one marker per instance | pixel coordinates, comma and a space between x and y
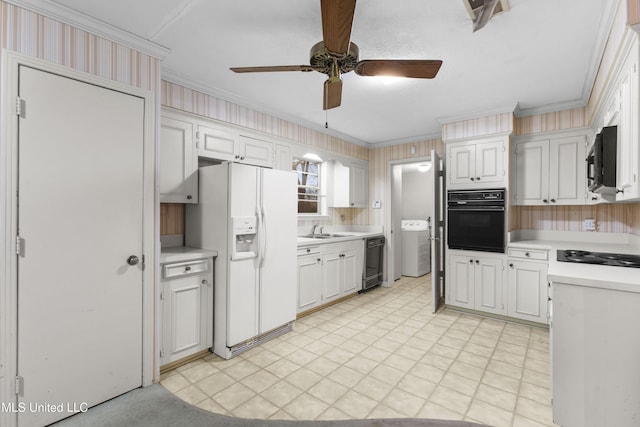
374, 248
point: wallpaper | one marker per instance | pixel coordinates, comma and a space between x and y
551, 122
492, 124
35, 35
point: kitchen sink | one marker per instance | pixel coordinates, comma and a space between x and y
324, 236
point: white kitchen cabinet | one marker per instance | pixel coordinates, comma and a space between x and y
628, 164
186, 305
309, 278
475, 281
328, 272
550, 171
228, 144
477, 163
178, 172
347, 185
283, 156
527, 286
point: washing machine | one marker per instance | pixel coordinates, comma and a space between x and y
416, 248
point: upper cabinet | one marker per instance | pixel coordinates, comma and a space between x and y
221, 143
477, 163
550, 171
347, 185
178, 160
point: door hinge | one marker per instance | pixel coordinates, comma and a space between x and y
143, 263
21, 107
161, 295
19, 386
20, 246
161, 354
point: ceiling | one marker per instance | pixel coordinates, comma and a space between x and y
542, 55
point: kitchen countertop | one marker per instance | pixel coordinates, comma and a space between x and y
597, 276
184, 253
352, 235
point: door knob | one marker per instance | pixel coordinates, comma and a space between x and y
133, 260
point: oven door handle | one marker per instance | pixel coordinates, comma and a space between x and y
477, 209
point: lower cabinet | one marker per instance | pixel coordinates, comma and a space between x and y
329, 271
475, 281
186, 305
527, 290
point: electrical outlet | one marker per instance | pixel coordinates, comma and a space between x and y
590, 224
376, 204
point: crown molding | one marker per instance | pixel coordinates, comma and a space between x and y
471, 115
408, 140
86, 23
549, 108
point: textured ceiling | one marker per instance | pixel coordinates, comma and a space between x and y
540, 55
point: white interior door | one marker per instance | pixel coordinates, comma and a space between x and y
396, 217
81, 216
436, 232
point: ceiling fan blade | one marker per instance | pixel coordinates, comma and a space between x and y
332, 93
273, 68
418, 69
337, 18
484, 15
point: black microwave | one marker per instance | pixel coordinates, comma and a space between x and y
601, 162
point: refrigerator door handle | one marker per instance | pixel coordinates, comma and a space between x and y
259, 236
263, 241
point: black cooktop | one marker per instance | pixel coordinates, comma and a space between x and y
602, 258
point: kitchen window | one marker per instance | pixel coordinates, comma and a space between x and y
310, 195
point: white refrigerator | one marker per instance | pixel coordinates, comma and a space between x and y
249, 215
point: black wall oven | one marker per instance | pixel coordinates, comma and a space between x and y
476, 220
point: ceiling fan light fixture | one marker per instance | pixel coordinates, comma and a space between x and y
387, 80
313, 157
425, 167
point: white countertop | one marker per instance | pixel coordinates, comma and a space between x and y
352, 235
591, 275
184, 253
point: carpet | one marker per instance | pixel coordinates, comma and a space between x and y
155, 406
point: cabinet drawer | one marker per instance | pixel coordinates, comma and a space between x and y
185, 268
536, 254
308, 251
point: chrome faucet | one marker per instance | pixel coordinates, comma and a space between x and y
313, 230
321, 229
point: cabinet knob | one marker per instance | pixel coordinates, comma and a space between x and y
204, 281
318, 260
308, 250
553, 200
477, 262
237, 156
352, 204
242, 158
472, 179
189, 197
545, 201
187, 268
470, 261
527, 254
477, 178
594, 198
510, 265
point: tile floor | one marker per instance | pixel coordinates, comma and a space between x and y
382, 354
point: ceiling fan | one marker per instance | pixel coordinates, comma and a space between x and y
336, 55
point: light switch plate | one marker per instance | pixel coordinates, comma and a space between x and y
376, 204
589, 224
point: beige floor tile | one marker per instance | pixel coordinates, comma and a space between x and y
515, 339
534, 410
373, 388
543, 356
500, 381
437, 360
432, 410
362, 364
322, 366
282, 415
400, 363
520, 421
416, 385
211, 406
333, 414
535, 365
496, 397
355, 404
241, 370
397, 336
518, 330
189, 365
260, 381
444, 351
387, 374
536, 378
450, 399
510, 358
191, 394
339, 355
264, 358
300, 340
215, 383
427, 372
233, 396
505, 369
333, 339
410, 352
175, 382
347, 332
488, 414
406, 403
512, 348
256, 407
282, 368
386, 345
459, 383
473, 359
302, 357
478, 349
306, 407
354, 347
365, 338
383, 411
466, 370
456, 343
327, 390
283, 348
535, 392
281, 393
198, 372
485, 340
346, 376
303, 378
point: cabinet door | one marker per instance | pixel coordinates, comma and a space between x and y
309, 281
490, 162
284, 159
351, 277
567, 171
216, 144
628, 163
184, 317
527, 293
462, 165
460, 277
255, 152
488, 285
532, 173
358, 186
332, 276
178, 162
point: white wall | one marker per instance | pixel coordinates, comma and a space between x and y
417, 194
